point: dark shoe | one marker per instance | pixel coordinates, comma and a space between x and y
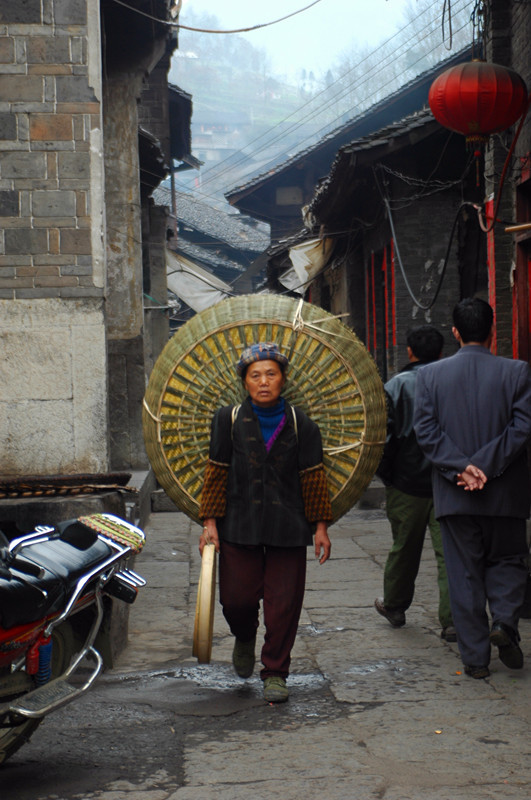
243, 658
476, 672
396, 618
525, 611
275, 689
506, 640
448, 634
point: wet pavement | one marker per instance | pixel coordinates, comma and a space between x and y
374, 712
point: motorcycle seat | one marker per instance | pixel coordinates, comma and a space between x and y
42, 578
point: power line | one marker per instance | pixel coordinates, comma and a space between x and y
213, 174
174, 24
254, 27
343, 90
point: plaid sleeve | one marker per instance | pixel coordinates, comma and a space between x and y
214, 494
315, 495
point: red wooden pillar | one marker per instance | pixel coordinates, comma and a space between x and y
386, 299
491, 266
393, 293
522, 273
373, 304
368, 306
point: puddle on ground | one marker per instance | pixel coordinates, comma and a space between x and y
217, 676
367, 669
312, 630
310, 697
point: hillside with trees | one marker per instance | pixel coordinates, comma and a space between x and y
267, 119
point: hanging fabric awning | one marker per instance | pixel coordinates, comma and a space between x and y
198, 288
308, 259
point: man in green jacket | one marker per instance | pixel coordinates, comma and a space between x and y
406, 473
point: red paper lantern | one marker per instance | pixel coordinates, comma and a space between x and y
477, 99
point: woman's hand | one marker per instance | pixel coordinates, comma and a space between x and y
209, 535
323, 544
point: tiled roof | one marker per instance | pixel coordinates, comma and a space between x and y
241, 233
225, 268
342, 130
394, 131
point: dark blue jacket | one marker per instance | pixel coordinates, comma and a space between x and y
475, 408
264, 496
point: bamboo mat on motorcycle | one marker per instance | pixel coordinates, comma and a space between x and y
331, 377
204, 607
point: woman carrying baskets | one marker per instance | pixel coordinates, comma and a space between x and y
264, 500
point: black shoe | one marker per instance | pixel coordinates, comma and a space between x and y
506, 640
448, 634
476, 672
525, 611
243, 658
396, 618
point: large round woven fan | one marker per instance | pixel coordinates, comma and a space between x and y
331, 377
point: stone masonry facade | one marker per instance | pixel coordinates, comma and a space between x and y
72, 327
49, 112
53, 370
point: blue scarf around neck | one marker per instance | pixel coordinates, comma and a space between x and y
269, 418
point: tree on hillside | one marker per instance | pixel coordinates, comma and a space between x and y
363, 76
229, 76
231, 50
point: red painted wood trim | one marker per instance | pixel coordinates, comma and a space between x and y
373, 285
393, 292
491, 267
386, 296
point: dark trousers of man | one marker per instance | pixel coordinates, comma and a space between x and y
486, 561
409, 517
276, 575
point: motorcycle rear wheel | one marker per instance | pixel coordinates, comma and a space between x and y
13, 685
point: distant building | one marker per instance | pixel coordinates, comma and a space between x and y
210, 240
279, 192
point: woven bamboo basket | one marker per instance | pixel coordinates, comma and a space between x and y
331, 377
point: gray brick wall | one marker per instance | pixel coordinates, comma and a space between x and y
48, 109
422, 233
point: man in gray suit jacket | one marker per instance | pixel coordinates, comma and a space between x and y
473, 422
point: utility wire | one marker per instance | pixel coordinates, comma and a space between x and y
254, 27
213, 174
422, 306
205, 179
168, 24
382, 66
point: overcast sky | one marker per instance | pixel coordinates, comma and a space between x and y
313, 39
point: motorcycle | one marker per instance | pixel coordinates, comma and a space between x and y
55, 590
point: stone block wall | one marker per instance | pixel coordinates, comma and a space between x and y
53, 370
422, 234
50, 120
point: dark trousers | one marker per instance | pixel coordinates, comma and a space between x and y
486, 563
409, 517
276, 575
